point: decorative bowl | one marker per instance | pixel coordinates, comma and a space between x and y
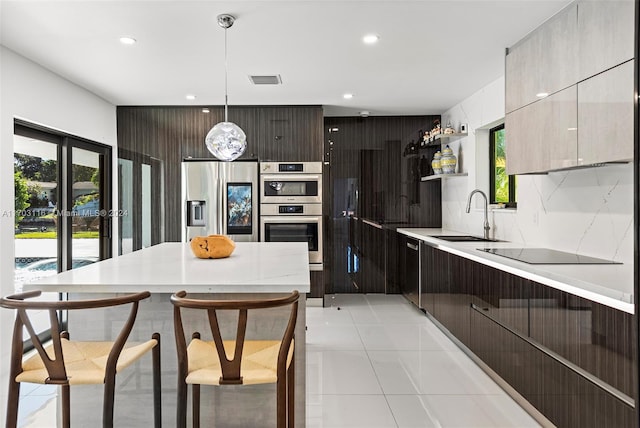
212, 246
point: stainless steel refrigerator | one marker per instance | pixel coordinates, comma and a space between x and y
220, 198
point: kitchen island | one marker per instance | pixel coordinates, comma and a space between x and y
255, 269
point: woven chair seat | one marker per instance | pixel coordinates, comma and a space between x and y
85, 362
259, 361
64, 362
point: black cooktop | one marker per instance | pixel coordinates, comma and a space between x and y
544, 256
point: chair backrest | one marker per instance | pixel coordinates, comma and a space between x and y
231, 369
55, 366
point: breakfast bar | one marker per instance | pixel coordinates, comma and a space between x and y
254, 270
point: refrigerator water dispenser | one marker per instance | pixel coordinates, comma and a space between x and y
195, 213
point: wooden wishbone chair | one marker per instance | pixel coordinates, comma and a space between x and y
253, 362
66, 362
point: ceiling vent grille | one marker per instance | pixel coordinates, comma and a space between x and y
266, 80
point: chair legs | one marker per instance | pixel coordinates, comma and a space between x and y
109, 393
281, 402
107, 403
291, 382
157, 387
12, 403
181, 405
66, 406
196, 405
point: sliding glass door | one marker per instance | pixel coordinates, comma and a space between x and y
63, 202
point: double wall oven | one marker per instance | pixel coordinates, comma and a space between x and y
291, 205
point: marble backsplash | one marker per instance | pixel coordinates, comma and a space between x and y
587, 211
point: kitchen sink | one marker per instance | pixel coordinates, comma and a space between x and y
463, 238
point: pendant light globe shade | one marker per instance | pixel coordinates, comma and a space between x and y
226, 141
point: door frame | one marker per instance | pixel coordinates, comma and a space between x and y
65, 144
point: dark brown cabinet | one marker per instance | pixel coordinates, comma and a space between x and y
565, 397
290, 134
317, 283
592, 336
571, 358
434, 281
394, 264
372, 261
367, 178
502, 296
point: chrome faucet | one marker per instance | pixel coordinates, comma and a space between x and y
486, 204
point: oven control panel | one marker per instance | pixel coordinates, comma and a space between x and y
291, 167
290, 209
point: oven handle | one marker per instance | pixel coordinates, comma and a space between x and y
305, 177
290, 219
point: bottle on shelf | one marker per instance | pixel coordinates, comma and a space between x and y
435, 163
449, 129
448, 161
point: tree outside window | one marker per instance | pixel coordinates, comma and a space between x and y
503, 186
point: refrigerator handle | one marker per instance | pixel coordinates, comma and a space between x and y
222, 208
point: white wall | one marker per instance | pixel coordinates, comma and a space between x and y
32, 93
588, 211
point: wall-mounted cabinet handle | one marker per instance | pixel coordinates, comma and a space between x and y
414, 247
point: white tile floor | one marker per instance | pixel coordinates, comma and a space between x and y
376, 361
372, 361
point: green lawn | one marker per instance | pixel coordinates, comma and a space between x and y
90, 234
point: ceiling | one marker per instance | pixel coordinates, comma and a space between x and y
431, 54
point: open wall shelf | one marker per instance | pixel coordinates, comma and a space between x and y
439, 176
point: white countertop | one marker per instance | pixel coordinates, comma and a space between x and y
610, 285
254, 267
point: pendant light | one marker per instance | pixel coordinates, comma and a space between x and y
226, 140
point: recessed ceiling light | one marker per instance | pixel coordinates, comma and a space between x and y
190, 97
347, 96
371, 39
206, 110
128, 40
542, 94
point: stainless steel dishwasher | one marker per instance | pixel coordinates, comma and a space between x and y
411, 288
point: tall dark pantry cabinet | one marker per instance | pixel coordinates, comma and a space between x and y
373, 187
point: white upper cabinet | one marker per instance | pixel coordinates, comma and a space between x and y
543, 62
605, 116
582, 58
542, 136
605, 35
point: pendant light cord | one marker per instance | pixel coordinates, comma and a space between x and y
226, 113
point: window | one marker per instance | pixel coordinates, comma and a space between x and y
503, 186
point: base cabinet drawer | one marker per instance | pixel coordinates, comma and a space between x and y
565, 397
547, 344
594, 337
456, 303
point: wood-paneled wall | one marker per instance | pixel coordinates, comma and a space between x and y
170, 134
